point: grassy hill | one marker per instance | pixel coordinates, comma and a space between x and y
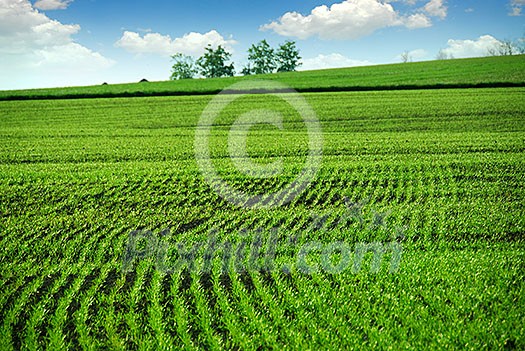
437, 174
505, 71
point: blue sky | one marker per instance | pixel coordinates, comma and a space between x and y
47, 43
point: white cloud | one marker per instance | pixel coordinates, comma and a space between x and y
418, 54
71, 54
334, 60
52, 4
408, 2
418, 20
516, 7
350, 19
155, 43
33, 45
471, 48
436, 8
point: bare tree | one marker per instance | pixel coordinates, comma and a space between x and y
405, 57
505, 47
520, 45
442, 55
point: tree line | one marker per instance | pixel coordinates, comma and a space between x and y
215, 63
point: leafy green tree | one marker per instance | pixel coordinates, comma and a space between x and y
247, 70
213, 63
262, 58
288, 58
183, 67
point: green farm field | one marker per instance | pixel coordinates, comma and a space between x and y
438, 172
500, 71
